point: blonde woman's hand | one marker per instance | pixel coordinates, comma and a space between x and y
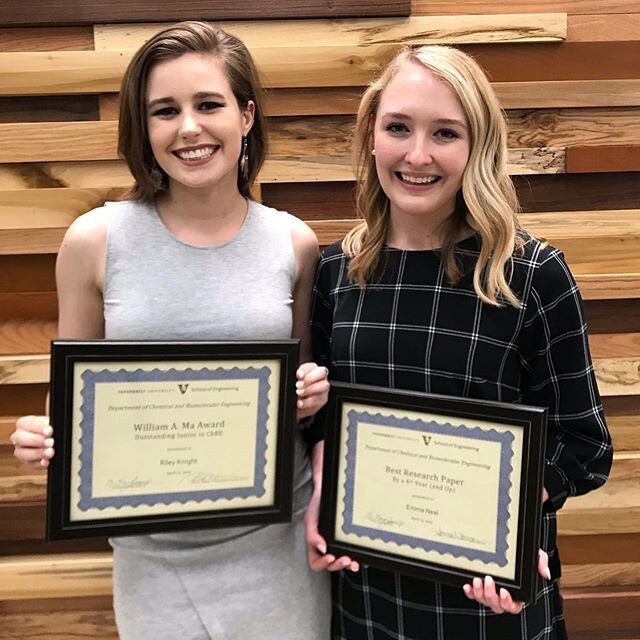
485, 592
33, 441
312, 389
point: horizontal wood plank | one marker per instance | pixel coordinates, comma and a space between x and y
49, 109
599, 549
540, 27
68, 575
614, 574
323, 136
28, 369
572, 7
512, 95
603, 158
597, 614
603, 26
573, 127
54, 12
51, 39
571, 192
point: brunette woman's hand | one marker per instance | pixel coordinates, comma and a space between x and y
319, 559
33, 441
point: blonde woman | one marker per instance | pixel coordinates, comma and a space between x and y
438, 289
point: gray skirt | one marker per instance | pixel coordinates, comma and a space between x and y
232, 584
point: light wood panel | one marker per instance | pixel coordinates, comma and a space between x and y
542, 27
573, 7
571, 127
28, 369
603, 27
85, 624
615, 574
68, 575
512, 95
616, 376
34, 73
568, 93
53, 39
321, 136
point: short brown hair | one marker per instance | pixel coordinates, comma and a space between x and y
182, 38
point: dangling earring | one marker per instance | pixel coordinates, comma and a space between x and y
373, 152
157, 179
244, 158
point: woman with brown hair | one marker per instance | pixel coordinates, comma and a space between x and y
439, 290
190, 256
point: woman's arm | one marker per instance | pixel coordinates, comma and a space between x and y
79, 276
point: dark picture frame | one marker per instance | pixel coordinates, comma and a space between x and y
399, 464
170, 406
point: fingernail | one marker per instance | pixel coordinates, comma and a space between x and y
466, 588
48, 453
48, 443
299, 404
322, 548
477, 582
488, 580
503, 593
47, 431
548, 573
300, 373
43, 462
299, 384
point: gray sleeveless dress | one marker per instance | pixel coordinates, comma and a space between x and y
230, 584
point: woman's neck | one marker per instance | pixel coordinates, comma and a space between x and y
203, 218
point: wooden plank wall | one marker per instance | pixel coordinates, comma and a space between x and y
566, 72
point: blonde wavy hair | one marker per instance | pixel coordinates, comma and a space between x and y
486, 203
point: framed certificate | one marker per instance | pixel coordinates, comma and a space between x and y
438, 487
159, 436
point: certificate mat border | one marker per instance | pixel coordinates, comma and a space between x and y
66, 354
532, 421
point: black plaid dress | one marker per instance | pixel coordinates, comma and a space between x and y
412, 330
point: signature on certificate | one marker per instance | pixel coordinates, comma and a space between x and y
376, 518
199, 477
456, 535
128, 483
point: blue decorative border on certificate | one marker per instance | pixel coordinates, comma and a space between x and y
505, 439
91, 378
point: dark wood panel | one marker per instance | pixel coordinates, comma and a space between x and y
602, 158
558, 61
33, 305
579, 192
621, 406
603, 615
49, 108
613, 316
538, 193
39, 546
27, 273
77, 12
311, 200
38, 39
22, 399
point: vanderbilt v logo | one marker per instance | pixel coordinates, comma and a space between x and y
183, 388
426, 440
